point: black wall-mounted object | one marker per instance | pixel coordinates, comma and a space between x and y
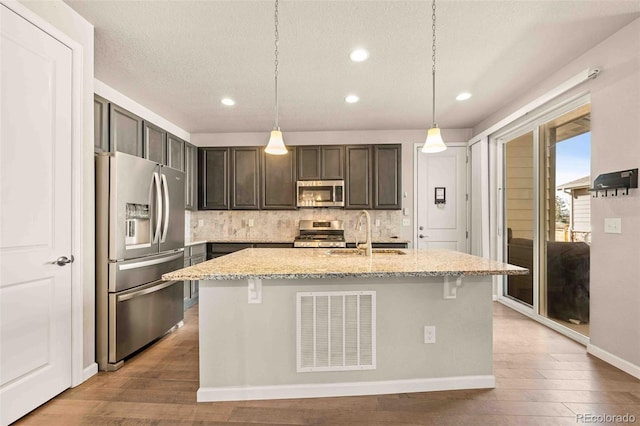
440, 195
611, 182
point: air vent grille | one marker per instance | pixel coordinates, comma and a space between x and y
336, 331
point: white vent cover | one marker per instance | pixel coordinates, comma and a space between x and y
336, 331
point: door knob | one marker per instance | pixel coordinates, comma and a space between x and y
421, 228
62, 260
421, 236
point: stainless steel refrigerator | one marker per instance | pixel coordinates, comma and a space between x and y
139, 237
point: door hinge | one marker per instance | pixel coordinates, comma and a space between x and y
467, 234
467, 197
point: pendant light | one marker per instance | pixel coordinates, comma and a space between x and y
276, 143
434, 142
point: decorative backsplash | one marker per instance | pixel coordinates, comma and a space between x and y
282, 226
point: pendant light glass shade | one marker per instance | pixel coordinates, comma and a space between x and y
434, 142
276, 143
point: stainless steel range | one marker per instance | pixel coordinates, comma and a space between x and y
320, 233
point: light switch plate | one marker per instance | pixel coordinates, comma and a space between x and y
612, 225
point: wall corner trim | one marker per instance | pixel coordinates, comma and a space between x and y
614, 360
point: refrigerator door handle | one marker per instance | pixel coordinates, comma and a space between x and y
149, 289
156, 184
167, 208
143, 263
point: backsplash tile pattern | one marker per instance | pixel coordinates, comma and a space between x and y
282, 226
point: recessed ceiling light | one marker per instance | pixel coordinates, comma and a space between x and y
359, 55
227, 101
463, 96
351, 99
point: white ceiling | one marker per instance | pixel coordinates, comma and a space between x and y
179, 58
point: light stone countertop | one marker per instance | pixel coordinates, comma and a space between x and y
188, 243
319, 263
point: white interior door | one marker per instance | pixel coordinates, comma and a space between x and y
442, 223
35, 216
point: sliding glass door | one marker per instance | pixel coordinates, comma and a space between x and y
566, 219
520, 213
546, 221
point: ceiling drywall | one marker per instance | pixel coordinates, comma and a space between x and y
179, 58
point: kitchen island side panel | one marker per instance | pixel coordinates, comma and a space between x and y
246, 345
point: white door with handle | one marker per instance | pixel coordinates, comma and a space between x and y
35, 216
441, 215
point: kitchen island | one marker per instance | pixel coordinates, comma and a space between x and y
293, 323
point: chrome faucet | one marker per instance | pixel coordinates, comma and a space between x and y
366, 246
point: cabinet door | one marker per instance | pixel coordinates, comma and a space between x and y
175, 152
155, 143
308, 162
245, 178
213, 187
125, 131
190, 176
332, 162
358, 177
279, 181
387, 177
100, 124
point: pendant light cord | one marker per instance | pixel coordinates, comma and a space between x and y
433, 59
277, 39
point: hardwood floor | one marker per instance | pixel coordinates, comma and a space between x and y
542, 377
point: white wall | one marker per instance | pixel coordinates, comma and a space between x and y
615, 258
405, 137
77, 28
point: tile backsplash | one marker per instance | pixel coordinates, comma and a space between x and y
282, 226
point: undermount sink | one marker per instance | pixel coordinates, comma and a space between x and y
357, 252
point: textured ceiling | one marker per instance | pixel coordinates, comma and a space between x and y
179, 58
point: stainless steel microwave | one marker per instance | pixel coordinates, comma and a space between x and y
320, 193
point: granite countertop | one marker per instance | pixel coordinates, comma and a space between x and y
319, 263
271, 240
188, 243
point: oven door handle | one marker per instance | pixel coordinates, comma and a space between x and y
148, 289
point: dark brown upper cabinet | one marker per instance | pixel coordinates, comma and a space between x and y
155, 143
278, 181
213, 183
100, 124
387, 177
191, 176
358, 180
125, 131
175, 152
245, 178
324, 162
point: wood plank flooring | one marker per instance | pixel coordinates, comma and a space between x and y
542, 377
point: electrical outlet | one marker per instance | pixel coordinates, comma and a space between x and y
429, 333
377, 222
251, 222
406, 221
200, 222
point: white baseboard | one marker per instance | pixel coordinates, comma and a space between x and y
89, 371
614, 360
245, 393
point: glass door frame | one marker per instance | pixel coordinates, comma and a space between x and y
502, 140
532, 122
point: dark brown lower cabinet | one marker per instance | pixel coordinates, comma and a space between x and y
358, 167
